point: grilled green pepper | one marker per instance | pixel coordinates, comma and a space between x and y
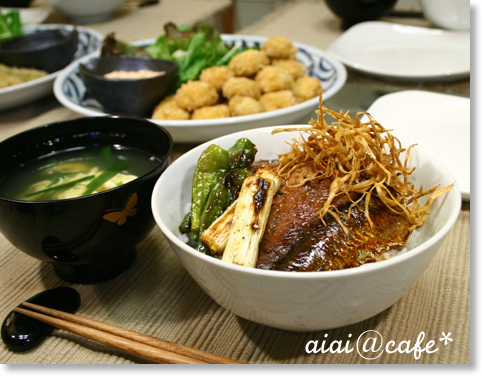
218, 176
241, 154
211, 167
222, 195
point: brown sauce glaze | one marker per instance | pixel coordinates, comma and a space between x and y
329, 248
294, 212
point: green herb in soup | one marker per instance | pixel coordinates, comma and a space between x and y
75, 173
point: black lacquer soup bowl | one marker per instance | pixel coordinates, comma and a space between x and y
92, 238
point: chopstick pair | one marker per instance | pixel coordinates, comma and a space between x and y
142, 345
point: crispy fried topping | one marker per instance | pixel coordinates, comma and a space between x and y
363, 158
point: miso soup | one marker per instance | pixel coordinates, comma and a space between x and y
75, 173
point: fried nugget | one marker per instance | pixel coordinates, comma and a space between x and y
195, 94
241, 86
294, 67
240, 105
273, 78
168, 110
216, 76
248, 62
211, 112
277, 99
279, 47
306, 87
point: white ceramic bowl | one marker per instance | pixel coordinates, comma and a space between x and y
301, 301
448, 14
69, 89
86, 11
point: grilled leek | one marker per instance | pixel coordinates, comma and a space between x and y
249, 219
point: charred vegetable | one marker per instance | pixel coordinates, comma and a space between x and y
237, 232
210, 169
218, 176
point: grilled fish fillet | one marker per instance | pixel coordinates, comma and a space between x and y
329, 248
295, 238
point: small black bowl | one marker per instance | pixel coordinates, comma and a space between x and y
133, 97
75, 235
354, 11
49, 50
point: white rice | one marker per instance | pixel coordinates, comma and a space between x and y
415, 239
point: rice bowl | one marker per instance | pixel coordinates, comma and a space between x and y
302, 301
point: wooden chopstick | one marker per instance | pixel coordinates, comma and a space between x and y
145, 346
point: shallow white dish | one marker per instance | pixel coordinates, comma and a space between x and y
90, 41
86, 11
300, 301
404, 53
29, 16
70, 91
438, 123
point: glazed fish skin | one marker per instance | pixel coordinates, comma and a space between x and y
294, 212
329, 248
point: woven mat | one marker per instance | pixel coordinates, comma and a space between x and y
157, 296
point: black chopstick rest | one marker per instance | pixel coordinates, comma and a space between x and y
21, 333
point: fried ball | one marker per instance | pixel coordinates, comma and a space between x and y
294, 67
279, 47
241, 86
273, 78
240, 105
195, 94
248, 62
216, 76
211, 112
306, 87
168, 110
277, 99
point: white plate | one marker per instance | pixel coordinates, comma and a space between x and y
437, 123
404, 53
29, 16
70, 91
90, 41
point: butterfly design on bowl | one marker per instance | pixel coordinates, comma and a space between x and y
119, 216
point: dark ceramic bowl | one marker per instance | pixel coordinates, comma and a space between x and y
134, 97
15, 3
49, 50
72, 234
354, 11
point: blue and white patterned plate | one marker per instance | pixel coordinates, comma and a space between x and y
90, 42
71, 92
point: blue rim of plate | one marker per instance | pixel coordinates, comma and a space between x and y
71, 92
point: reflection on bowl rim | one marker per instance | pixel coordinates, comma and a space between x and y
165, 159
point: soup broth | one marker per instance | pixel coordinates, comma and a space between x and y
75, 173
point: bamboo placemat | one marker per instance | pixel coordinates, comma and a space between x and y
158, 297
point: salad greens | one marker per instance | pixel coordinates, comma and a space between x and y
10, 25
192, 48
